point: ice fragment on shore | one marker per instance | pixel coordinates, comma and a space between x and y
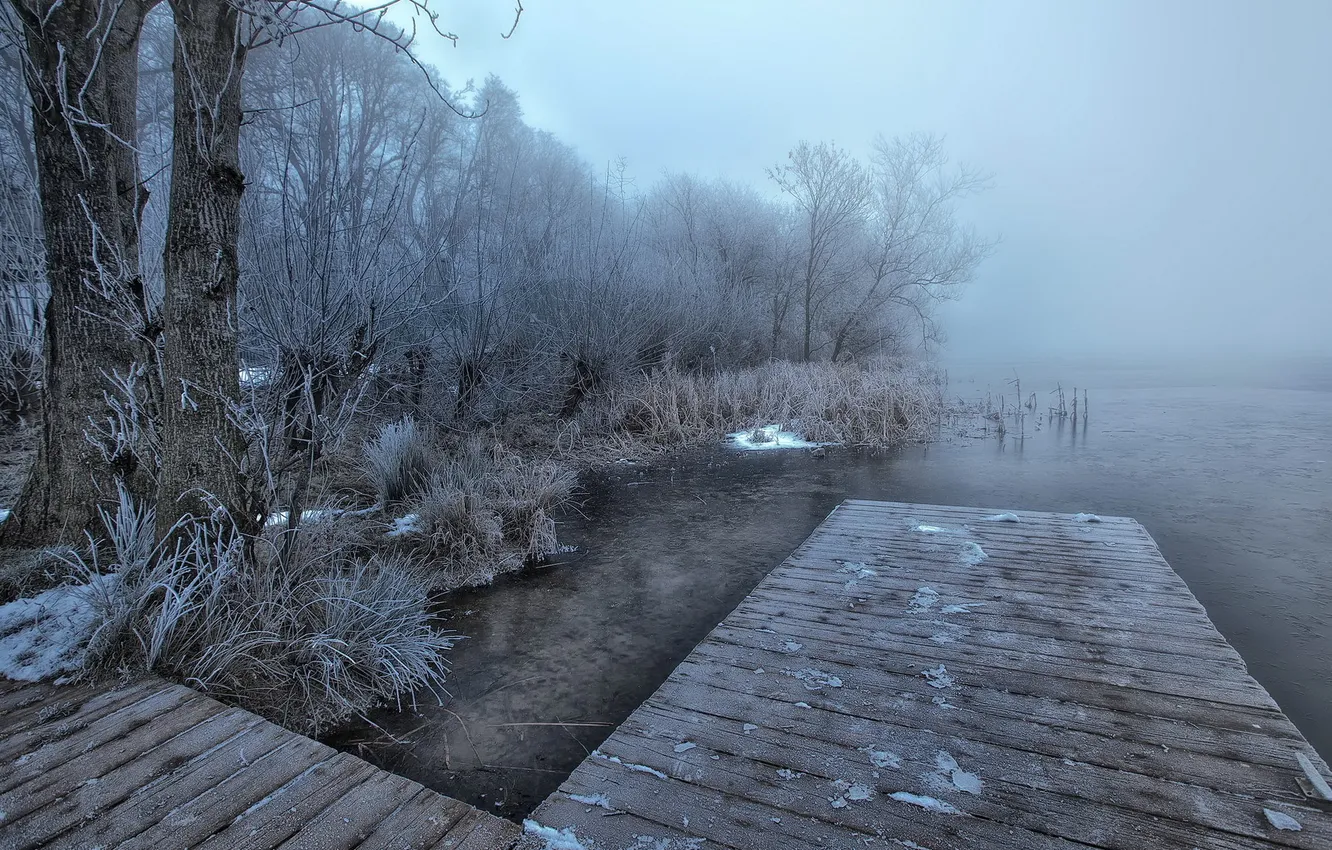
962, 780
1281, 820
924, 600
556, 839
881, 758
814, 680
599, 800
964, 608
939, 677
1004, 517
973, 554
1086, 518
637, 768
929, 804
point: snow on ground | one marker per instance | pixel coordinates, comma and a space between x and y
403, 525
254, 376
1086, 518
311, 515
1004, 517
931, 529
45, 635
556, 839
770, 437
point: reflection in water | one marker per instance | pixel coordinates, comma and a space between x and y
1234, 482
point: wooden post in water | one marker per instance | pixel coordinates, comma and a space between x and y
1075, 405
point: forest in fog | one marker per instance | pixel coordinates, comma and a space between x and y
286, 312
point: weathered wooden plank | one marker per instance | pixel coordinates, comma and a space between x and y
280, 815
1021, 664
91, 800
1100, 822
487, 833
351, 818
1089, 687
32, 787
421, 822
978, 631
1085, 802
192, 821
1057, 728
67, 718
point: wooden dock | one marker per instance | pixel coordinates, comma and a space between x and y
158, 766
940, 677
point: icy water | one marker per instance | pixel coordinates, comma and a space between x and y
1229, 469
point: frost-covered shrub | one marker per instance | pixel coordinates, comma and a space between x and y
309, 642
398, 461
486, 512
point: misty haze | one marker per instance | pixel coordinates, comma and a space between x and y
581, 426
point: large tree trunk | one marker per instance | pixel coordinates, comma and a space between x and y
202, 447
81, 71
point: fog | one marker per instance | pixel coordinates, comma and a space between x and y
1161, 177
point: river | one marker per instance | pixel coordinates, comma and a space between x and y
1229, 468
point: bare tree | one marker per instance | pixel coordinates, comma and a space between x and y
915, 252
830, 188
79, 64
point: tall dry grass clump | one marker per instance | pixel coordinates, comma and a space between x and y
823, 402
309, 642
398, 461
486, 511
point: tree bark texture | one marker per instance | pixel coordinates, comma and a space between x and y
81, 73
202, 447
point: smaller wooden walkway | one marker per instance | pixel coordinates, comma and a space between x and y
938, 677
157, 766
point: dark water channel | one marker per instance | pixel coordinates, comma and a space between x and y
1230, 472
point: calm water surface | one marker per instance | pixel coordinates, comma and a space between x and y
1230, 470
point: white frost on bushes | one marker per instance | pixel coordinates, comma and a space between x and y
1004, 517
1086, 518
404, 525
45, 635
929, 804
770, 437
556, 839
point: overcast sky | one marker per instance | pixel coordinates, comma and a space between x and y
1162, 172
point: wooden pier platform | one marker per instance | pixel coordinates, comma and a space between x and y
158, 766
941, 677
